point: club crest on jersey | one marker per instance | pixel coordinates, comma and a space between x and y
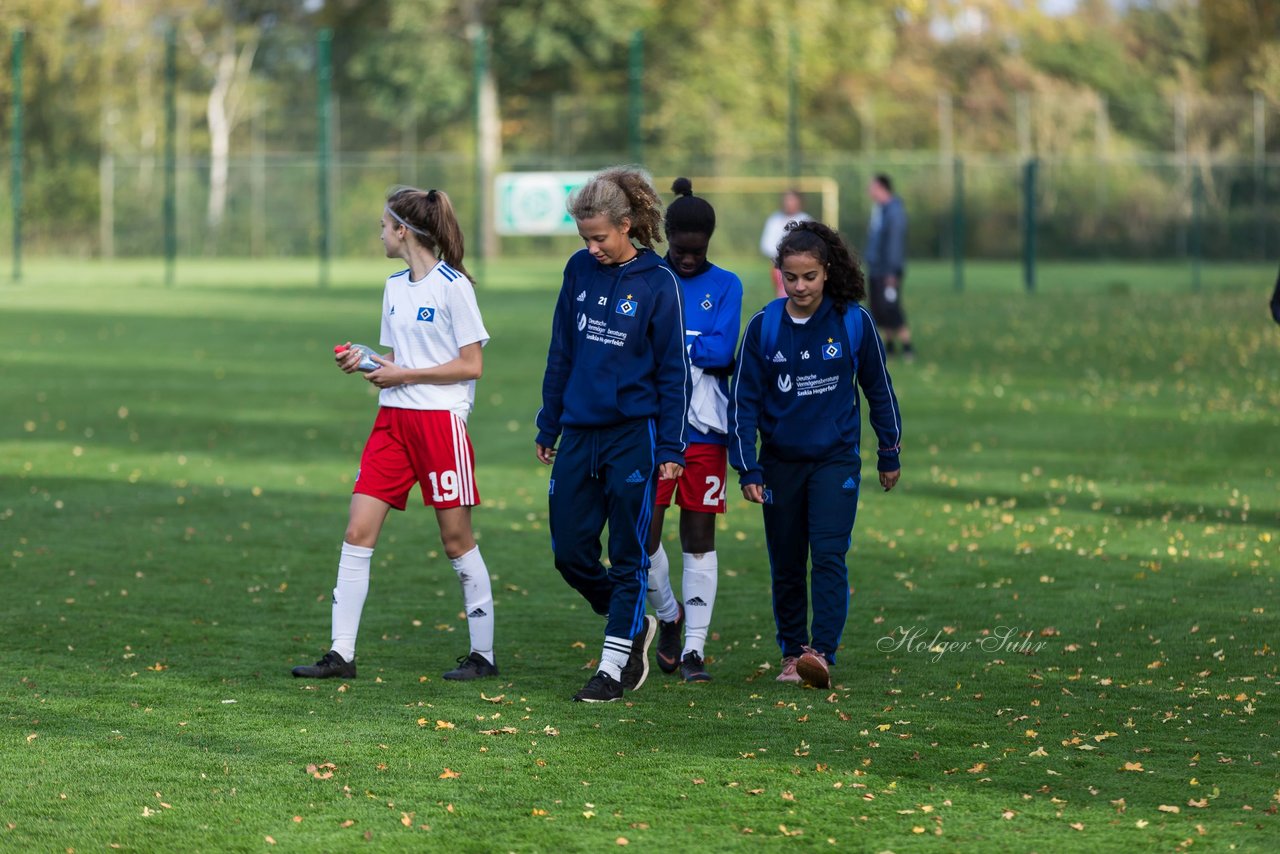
784, 383
627, 307
831, 350
427, 314
707, 303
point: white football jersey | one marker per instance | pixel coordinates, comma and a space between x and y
426, 324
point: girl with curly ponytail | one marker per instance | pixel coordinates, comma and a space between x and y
614, 396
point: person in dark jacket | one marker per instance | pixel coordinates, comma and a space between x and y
615, 395
795, 386
886, 257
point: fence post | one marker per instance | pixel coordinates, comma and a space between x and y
170, 153
1029, 173
1197, 228
480, 71
1259, 171
793, 129
15, 155
957, 223
635, 99
324, 149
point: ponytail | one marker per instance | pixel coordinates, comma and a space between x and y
845, 281
622, 192
429, 216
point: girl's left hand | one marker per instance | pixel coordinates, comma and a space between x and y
390, 374
889, 479
670, 471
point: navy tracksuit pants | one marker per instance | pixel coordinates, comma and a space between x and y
809, 509
605, 475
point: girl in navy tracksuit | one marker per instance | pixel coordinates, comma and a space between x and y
801, 398
712, 315
617, 388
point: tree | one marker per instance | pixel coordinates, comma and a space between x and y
532, 44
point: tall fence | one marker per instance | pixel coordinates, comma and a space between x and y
296, 158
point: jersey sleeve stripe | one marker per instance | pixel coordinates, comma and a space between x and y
742, 356
684, 445
897, 416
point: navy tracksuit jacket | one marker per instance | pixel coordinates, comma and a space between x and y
803, 402
617, 388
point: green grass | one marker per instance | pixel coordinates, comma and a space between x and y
1095, 466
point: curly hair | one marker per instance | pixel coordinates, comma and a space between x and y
622, 192
846, 283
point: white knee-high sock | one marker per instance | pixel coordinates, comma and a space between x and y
349, 596
614, 655
661, 599
477, 599
699, 589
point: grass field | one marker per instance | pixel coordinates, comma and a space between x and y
1094, 470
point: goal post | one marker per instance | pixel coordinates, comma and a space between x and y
826, 188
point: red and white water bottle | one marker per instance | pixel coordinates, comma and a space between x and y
366, 356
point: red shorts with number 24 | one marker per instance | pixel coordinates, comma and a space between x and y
702, 486
430, 447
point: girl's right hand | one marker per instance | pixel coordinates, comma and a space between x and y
348, 359
753, 492
545, 455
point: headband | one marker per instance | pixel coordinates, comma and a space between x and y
431, 197
401, 220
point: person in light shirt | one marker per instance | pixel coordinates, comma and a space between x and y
775, 228
432, 324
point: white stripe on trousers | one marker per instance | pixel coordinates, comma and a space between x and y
462, 462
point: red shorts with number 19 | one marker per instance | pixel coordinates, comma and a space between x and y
701, 488
428, 447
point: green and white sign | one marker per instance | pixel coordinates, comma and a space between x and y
534, 202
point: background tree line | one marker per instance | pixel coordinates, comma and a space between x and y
720, 80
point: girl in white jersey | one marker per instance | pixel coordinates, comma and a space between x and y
432, 324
